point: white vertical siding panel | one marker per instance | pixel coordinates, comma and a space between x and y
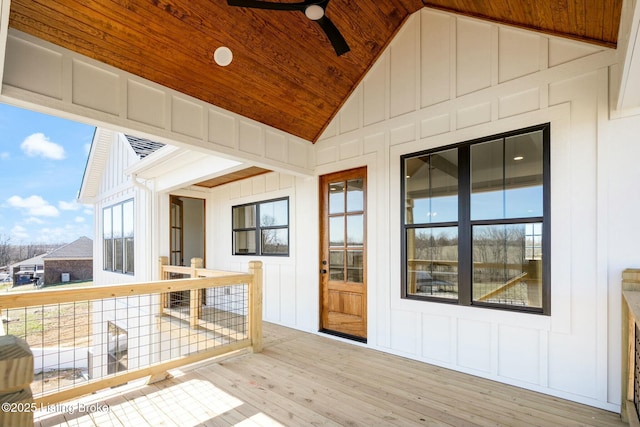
519, 353
187, 117
436, 51
271, 293
474, 56
403, 62
474, 345
436, 338
350, 112
562, 51
519, 54
404, 334
374, 89
288, 295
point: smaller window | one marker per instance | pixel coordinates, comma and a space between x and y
118, 237
261, 228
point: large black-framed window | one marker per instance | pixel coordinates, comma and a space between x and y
476, 222
261, 228
118, 237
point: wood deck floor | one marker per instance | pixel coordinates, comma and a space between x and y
302, 379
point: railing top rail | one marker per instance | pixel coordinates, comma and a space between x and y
59, 296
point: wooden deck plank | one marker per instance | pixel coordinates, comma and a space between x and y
305, 379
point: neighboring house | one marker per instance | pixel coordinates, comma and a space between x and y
28, 271
471, 206
69, 263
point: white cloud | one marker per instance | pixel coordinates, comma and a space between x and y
80, 219
69, 206
19, 232
38, 144
35, 205
33, 220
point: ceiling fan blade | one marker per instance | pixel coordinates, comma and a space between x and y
257, 4
333, 34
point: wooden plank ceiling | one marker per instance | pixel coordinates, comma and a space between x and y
284, 71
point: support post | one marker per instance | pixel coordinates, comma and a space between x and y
195, 305
16, 375
255, 306
162, 261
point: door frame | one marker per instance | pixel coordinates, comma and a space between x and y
322, 255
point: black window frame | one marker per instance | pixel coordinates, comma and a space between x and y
259, 228
465, 224
125, 243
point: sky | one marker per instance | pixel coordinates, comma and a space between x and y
42, 161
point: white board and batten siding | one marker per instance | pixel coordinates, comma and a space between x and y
446, 79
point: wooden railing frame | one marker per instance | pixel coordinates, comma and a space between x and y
204, 279
630, 318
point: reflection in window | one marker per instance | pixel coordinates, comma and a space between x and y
118, 237
117, 348
474, 222
267, 236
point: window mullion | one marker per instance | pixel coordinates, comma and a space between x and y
464, 226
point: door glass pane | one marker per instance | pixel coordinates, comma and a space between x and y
355, 195
431, 188
244, 216
355, 230
503, 271
336, 231
523, 175
274, 213
432, 262
355, 263
336, 265
336, 197
244, 242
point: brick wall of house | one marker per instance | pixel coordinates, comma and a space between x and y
79, 270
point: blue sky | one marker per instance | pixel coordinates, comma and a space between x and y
42, 159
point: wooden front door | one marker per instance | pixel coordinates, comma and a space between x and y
343, 254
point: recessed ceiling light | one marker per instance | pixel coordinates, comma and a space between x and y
223, 56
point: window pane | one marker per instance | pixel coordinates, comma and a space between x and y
336, 265
106, 223
355, 266
523, 175
355, 195
129, 256
118, 255
336, 231
274, 213
355, 230
244, 216
506, 177
432, 262
431, 188
502, 273
108, 255
244, 242
275, 241
487, 180
128, 218
336, 197
117, 221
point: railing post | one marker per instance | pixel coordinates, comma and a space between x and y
195, 305
16, 375
255, 306
162, 261
630, 290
